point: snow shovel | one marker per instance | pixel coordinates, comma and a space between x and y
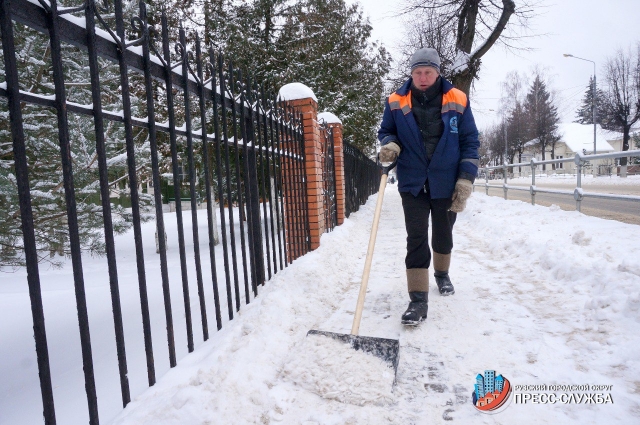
386, 349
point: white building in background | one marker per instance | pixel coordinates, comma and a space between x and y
576, 138
617, 142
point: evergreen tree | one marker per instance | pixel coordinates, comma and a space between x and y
543, 117
323, 44
332, 53
585, 114
216, 17
250, 35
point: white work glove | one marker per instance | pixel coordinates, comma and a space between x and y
460, 195
389, 152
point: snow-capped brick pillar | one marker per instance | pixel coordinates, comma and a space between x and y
302, 99
336, 124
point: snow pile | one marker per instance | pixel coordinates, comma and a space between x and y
329, 118
295, 91
236, 376
579, 238
566, 251
461, 62
334, 370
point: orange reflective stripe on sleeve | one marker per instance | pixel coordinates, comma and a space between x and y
454, 100
400, 102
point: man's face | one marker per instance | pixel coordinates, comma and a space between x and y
424, 77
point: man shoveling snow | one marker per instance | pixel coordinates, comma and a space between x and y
429, 128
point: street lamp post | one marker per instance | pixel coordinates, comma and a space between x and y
506, 156
593, 102
506, 144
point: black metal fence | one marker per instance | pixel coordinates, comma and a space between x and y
237, 147
361, 178
328, 177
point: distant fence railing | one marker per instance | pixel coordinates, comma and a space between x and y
578, 193
362, 178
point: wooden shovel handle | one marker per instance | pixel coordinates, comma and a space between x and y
367, 264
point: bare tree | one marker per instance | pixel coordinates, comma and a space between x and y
483, 150
622, 101
492, 145
423, 29
518, 131
512, 101
465, 30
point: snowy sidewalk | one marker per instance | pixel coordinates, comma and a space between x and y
543, 296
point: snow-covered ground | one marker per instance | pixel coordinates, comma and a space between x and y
19, 387
543, 296
564, 179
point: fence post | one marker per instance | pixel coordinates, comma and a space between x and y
253, 208
577, 194
26, 213
533, 181
505, 179
486, 180
304, 101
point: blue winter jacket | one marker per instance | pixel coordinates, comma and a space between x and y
456, 153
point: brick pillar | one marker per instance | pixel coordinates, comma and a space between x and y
302, 99
313, 167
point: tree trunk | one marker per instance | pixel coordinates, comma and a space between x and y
520, 161
463, 80
625, 143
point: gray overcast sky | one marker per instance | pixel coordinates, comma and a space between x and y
592, 29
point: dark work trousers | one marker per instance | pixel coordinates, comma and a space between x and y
416, 218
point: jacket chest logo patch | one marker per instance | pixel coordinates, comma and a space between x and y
453, 125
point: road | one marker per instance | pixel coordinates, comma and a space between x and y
622, 210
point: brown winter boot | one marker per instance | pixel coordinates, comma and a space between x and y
441, 263
418, 280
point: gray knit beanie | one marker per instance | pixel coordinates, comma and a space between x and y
425, 57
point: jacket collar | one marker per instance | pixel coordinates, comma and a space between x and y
423, 96
406, 87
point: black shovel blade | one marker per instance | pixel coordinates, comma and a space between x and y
386, 349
